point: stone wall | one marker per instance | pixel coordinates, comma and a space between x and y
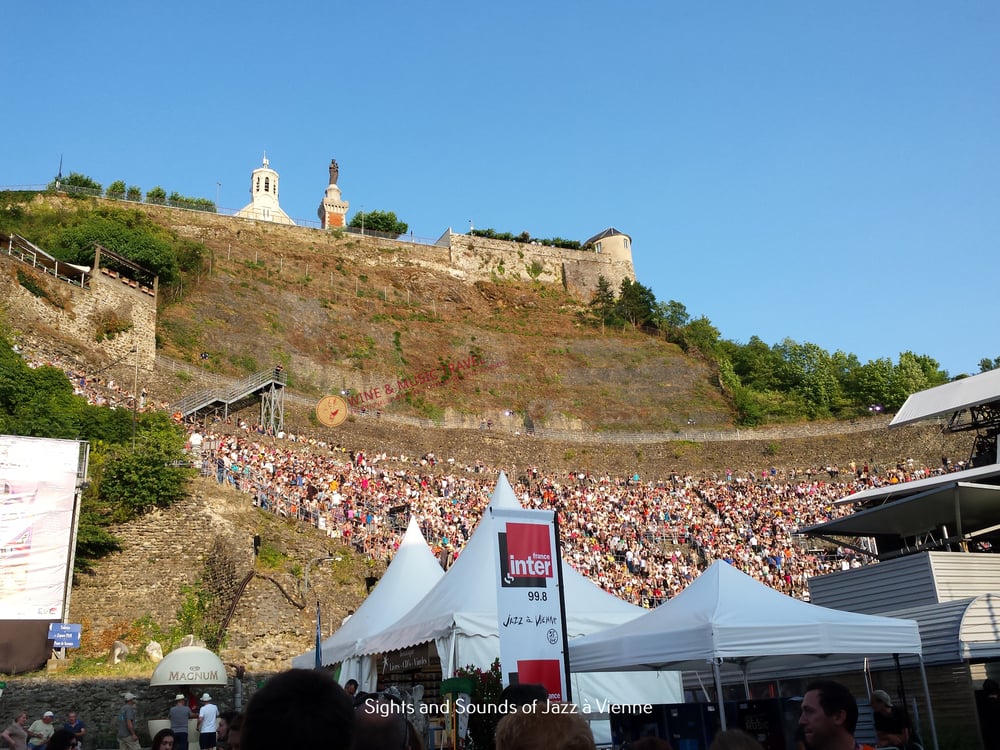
481, 258
472, 258
81, 313
98, 701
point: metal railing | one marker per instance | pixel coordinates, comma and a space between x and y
410, 238
17, 247
225, 396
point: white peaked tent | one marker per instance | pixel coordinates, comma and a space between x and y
412, 573
460, 615
727, 616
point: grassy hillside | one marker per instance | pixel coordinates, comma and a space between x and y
344, 313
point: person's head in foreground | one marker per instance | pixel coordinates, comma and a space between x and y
164, 740
526, 694
544, 729
829, 715
381, 723
300, 708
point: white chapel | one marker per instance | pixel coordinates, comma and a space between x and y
264, 196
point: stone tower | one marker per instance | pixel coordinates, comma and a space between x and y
333, 209
264, 196
616, 245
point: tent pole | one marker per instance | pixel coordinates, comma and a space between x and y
927, 697
718, 692
746, 683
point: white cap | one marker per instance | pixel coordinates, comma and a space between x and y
205, 697
178, 697
129, 697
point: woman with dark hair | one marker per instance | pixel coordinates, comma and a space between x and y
164, 740
61, 739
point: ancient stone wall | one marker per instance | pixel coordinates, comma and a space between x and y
90, 315
481, 258
473, 258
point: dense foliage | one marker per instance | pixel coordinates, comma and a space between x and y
525, 238
782, 382
136, 460
487, 687
379, 221
69, 233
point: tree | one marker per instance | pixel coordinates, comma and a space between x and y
702, 335
673, 314
636, 303
77, 180
379, 221
157, 196
116, 190
602, 304
134, 193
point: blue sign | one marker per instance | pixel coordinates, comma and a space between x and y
65, 635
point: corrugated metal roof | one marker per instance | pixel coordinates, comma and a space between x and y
875, 589
950, 397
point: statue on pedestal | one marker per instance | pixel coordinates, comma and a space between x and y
334, 171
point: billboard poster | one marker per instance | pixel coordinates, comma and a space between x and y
38, 479
531, 616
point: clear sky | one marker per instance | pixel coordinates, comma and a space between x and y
825, 171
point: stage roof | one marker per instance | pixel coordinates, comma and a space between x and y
889, 492
963, 507
949, 398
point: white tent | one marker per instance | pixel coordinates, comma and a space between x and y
727, 616
412, 573
460, 615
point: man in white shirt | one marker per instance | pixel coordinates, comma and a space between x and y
208, 718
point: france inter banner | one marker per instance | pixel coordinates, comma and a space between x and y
531, 611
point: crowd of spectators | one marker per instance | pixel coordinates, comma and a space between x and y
642, 539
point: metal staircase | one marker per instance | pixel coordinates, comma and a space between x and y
267, 385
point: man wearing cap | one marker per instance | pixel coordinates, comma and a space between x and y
179, 716
208, 718
892, 719
41, 730
127, 737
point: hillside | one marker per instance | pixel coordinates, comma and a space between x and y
358, 312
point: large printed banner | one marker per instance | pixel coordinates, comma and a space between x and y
37, 489
530, 611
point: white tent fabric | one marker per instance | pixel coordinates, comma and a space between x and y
460, 615
726, 614
412, 573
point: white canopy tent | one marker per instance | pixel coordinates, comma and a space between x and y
412, 573
725, 616
460, 615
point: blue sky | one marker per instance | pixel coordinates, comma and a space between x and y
828, 172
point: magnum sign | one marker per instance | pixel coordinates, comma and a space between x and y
189, 664
195, 675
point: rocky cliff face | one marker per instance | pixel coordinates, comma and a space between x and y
206, 543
